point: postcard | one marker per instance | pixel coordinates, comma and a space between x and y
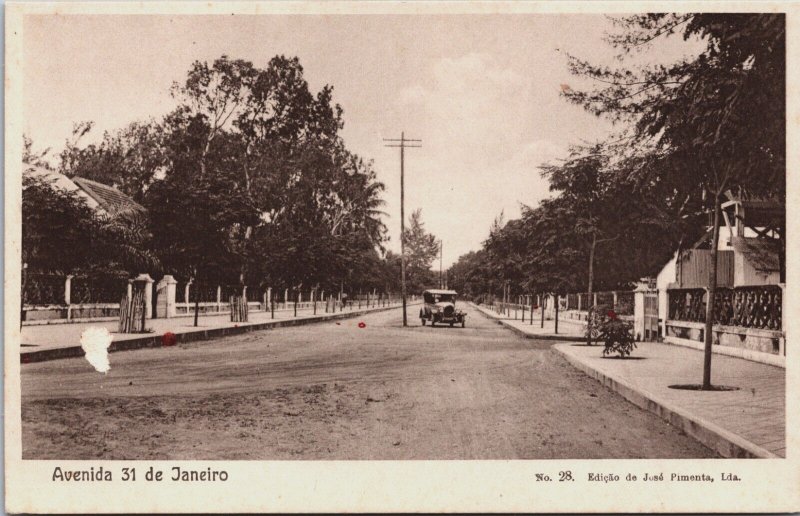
401, 257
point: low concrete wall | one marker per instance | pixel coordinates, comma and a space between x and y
766, 346
762, 341
54, 314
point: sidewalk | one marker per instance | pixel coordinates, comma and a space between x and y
48, 342
749, 422
566, 332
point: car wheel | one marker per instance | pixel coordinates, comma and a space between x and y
463, 324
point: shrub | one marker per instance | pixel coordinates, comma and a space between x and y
594, 322
616, 334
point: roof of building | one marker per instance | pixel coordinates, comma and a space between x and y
109, 198
101, 198
434, 291
761, 253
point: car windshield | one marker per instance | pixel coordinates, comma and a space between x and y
440, 298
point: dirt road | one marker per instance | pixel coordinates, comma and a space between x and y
337, 391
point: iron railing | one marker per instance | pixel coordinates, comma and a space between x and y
98, 288
624, 303
758, 306
43, 289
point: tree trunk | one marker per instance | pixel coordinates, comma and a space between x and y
782, 253
556, 320
196, 302
544, 303
590, 310
708, 333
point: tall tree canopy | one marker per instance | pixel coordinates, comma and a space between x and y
246, 181
716, 120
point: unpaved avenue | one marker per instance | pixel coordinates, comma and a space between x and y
336, 391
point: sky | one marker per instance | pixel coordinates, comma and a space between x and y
482, 92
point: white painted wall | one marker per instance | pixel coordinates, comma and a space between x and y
663, 280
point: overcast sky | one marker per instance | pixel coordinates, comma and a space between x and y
482, 92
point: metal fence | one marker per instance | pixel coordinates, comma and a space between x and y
98, 288
758, 306
624, 303
43, 289
203, 293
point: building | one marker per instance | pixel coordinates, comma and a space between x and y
105, 200
750, 288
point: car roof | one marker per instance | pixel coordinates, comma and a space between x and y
453, 292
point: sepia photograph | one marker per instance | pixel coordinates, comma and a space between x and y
387, 235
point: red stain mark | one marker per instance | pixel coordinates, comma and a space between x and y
338, 324
26, 359
611, 314
169, 339
362, 325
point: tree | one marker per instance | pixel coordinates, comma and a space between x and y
33, 157
247, 181
129, 159
586, 190
718, 118
421, 248
55, 220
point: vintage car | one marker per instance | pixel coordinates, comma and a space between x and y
440, 307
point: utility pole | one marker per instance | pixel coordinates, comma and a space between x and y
402, 143
441, 251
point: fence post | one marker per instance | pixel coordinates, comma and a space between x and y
68, 295
638, 315
614, 305
186, 292
219, 298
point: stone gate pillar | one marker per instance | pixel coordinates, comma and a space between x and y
144, 280
166, 289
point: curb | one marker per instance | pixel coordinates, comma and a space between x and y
560, 338
521, 333
154, 340
722, 441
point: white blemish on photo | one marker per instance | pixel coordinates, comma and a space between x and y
95, 341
